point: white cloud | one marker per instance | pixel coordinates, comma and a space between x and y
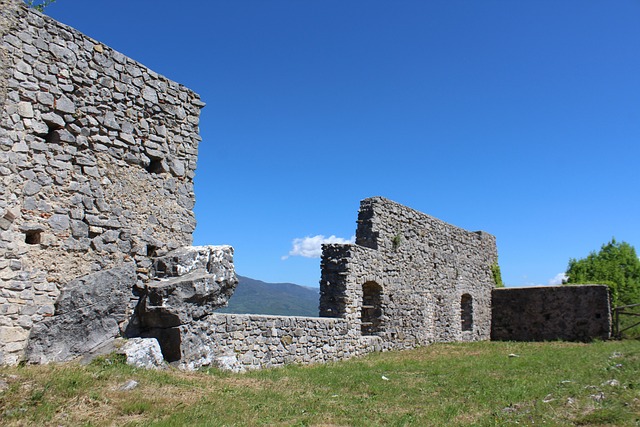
311, 247
557, 280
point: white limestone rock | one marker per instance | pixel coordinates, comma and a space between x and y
143, 353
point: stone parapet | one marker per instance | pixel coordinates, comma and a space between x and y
240, 342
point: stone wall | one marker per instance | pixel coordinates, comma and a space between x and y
409, 280
571, 313
418, 277
240, 342
97, 159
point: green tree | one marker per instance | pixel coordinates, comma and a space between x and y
616, 265
39, 5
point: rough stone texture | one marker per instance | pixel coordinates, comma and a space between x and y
143, 353
191, 283
87, 315
97, 159
240, 342
570, 313
422, 269
413, 287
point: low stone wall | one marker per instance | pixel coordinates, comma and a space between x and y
241, 342
571, 313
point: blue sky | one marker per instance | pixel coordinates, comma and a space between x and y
521, 119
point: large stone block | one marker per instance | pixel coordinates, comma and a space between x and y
87, 316
143, 353
190, 284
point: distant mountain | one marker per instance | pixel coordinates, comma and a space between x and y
283, 299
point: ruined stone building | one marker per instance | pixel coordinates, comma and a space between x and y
409, 280
97, 161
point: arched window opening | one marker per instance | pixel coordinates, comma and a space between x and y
371, 308
466, 312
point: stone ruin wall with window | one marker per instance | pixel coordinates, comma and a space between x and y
410, 279
97, 160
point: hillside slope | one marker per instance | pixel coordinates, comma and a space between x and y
284, 299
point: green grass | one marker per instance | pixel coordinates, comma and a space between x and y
440, 385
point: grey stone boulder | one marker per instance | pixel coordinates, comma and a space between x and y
178, 301
191, 282
87, 316
229, 362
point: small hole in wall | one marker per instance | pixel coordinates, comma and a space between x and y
33, 237
155, 166
52, 136
152, 251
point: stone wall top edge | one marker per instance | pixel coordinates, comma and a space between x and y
212, 247
542, 287
387, 202
345, 249
198, 102
267, 317
339, 245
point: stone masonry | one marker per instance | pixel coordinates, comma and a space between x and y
410, 279
97, 159
548, 313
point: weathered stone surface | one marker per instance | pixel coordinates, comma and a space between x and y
187, 259
178, 301
143, 353
410, 278
193, 282
128, 386
73, 166
549, 313
87, 315
241, 342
